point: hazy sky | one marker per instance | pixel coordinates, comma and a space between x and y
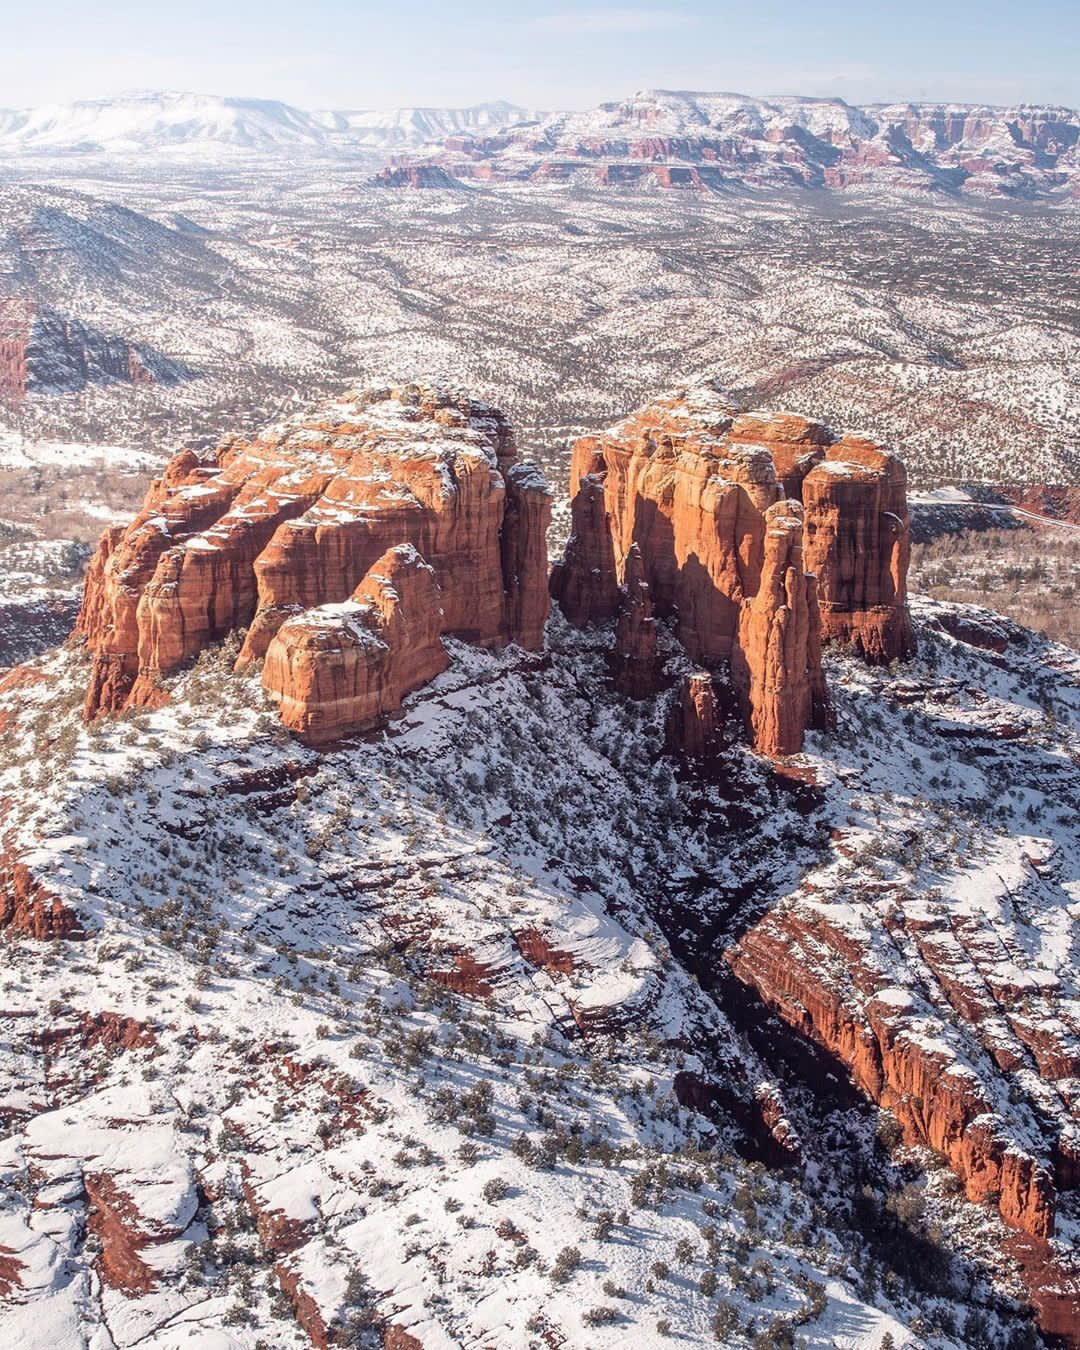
339, 53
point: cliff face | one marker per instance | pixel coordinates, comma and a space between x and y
699, 490
776, 662
294, 520
875, 1030
691, 499
858, 544
342, 668
42, 351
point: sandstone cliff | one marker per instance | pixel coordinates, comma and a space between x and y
776, 662
691, 483
858, 545
342, 668
294, 520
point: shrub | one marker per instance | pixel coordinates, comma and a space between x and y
495, 1190
566, 1263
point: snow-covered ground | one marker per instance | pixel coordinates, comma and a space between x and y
413, 1039
948, 329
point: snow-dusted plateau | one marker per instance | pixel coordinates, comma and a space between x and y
515, 1021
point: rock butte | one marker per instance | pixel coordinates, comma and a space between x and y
270, 531
735, 516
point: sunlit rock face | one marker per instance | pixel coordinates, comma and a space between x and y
343, 668
858, 544
758, 534
295, 519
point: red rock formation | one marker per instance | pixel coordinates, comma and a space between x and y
696, 727
397, 1338
585, 581
776, 663
637, 662
116, 1032
1041, 499
858, 546
124, 1234
524, 555
11, 1270
29, 908
690, 482
414, 176
42, 350
294, 519
337, 669
674, 484
539, 952
789, 956
795, 444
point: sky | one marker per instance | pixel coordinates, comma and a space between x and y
344, 54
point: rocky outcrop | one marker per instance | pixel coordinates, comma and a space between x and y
699, 490
672, 139
795, 444
42, 351
695, 729
115, 1221
524, 554
337, 669
585, 582
776, 662
269, 529
879, 1034
637, 661
414, 176
858, 545
27, 907
670, 480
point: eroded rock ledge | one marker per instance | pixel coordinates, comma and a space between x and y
760, 534
269, 531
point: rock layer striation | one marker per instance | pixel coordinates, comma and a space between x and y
758, 533
271, 528
341, 668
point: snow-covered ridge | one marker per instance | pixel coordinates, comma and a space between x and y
188, 122
138, 123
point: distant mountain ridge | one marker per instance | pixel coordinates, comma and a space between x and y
671, 138
654, 139
137, 123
